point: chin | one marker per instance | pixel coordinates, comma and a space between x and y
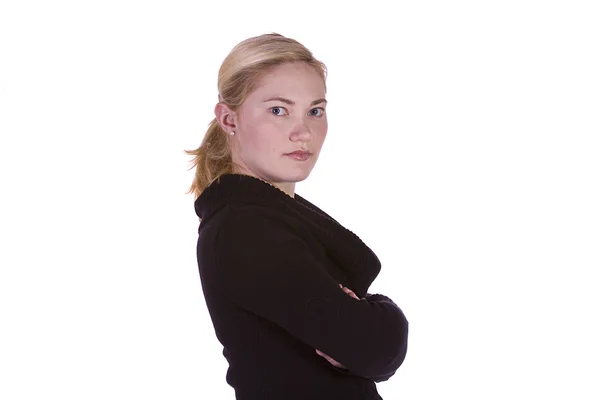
285, 173
298, 176
289, 177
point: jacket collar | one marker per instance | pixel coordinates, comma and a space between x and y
344, 247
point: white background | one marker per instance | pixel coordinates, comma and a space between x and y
463, 147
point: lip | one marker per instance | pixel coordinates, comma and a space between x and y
299, 153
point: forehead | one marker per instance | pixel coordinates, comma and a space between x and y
291, 79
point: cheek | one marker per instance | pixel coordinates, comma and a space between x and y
321, 130
261, 135
251, 128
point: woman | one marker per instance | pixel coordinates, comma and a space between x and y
285, 284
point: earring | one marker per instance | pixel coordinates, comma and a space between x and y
232, 133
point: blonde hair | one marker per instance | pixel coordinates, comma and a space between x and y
239, 75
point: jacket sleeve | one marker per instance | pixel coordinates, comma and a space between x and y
379, 297
391, 372
266, 269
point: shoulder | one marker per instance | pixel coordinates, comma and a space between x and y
248, 243
252, 224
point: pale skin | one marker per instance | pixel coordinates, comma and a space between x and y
284, 114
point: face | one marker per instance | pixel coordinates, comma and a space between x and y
286, 113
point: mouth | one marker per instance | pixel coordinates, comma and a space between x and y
300, 155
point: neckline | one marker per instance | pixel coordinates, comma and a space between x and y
347, 248
230, 187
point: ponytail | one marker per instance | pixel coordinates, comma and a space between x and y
211, 160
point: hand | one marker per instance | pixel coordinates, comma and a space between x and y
331, 360
349, 292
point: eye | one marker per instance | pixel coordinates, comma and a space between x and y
277, 110
322, 110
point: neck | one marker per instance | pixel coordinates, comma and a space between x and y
287, 187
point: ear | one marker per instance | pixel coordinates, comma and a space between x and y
226, 117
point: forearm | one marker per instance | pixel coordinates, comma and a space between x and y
383, 375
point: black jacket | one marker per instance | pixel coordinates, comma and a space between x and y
270, 266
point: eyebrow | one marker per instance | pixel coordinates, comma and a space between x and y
291, 103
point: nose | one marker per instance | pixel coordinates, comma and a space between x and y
301, 131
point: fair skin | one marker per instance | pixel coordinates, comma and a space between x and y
284, 114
